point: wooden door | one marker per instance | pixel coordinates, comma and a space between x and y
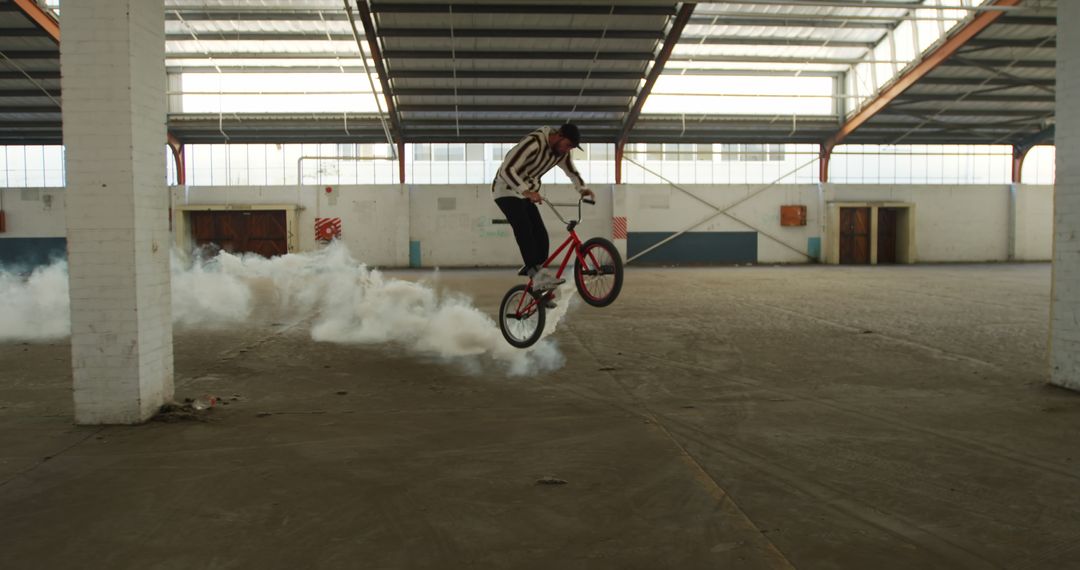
266, 234
886, 240
255, 231
854, 236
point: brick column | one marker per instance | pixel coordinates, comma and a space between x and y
1065, 295
113, 62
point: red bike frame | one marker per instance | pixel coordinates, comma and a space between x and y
574, 243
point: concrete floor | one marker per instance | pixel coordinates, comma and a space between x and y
814, 417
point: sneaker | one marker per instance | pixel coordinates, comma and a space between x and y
545, 280
549, 301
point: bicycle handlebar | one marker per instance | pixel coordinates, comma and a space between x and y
578, 204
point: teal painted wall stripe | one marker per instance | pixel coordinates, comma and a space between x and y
694, 247
813, 247
414, 254
25, 254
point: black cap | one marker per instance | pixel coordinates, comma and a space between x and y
570, 132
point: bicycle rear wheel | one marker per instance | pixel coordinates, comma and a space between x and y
599, 280
521, 317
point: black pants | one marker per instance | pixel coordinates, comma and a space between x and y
529, 230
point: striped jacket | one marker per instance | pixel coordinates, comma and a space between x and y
529, 160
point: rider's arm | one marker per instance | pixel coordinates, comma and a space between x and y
567, 166
510, 170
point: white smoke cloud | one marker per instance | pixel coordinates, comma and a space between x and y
342, 301
205, 296
353, 304
35, 306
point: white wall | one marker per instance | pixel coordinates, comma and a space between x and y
664, 208
374, 219
952, 223
453, 224
1034, 222
34, 212
36, 229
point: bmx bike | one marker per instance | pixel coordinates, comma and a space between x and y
598, 277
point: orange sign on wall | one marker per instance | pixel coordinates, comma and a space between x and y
792, 215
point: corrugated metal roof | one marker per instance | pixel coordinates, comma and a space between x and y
488, 69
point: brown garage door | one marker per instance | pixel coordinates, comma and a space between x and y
258, 231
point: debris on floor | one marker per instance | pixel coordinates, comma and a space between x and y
549, 480
189, 411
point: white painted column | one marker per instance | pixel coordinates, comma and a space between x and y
113, 67
1065, 294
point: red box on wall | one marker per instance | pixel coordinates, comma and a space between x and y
792, 215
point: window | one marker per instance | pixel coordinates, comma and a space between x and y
33, 166
474, 152
421, 151
724, 164
921, 164
654, 151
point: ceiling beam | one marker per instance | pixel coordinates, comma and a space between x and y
45, 75
811, 59
30, 125
32, 54
29, 109
248, 36
974, 98
393, 32
990, 43
677, 26
515, 8
227, 55
380, 67
790, 22
9, 93
387, 32
774, 41
332, 66
928, 63
494, 123
514, 74
988, 81
1000, 63
19, 33
552, 108
512, 54
511, 92
208, 14
41, 18
1040, 137
955, 112
1028, 20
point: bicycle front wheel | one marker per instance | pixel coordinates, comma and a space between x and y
521, 317
599, 279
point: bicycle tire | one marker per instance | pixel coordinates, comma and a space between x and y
517, 339
604, 296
